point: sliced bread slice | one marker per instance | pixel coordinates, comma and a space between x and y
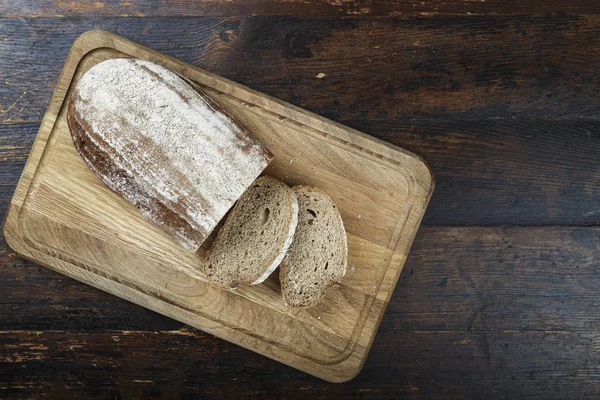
318, 255
255, 236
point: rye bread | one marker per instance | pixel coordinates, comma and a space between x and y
318, 255
164, 145
255, 236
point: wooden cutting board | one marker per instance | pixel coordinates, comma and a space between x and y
63, 217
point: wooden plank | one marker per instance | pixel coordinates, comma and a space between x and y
309, 8
500, 278
186, 364
36, 298
479, 312
15, 145
505, 171
456, 278
518, 171
385, 69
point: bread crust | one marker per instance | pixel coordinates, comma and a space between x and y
121, 182
159, 141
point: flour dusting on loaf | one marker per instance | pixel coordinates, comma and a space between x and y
164, 145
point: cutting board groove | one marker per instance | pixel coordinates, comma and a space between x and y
63, 217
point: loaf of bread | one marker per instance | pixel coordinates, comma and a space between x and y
164, 145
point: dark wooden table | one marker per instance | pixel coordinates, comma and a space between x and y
500, 295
